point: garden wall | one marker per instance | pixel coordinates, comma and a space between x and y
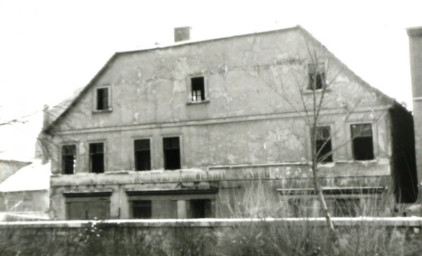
356, 236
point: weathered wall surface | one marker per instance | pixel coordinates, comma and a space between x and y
234, 185
217, 237
25, 201
253, 113
415, 46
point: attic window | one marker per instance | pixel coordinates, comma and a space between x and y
103, 99
316, 75
68, 159
197, 89
362, 144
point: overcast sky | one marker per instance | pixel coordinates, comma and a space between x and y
49, 48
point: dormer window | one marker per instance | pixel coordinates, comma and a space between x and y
197, 89
316, 76
102, 99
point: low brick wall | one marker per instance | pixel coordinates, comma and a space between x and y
204, 236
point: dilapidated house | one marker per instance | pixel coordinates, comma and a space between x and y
215, 128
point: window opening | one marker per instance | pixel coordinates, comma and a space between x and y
142, 155
198, 89
316, 76
141, 209
171, 153
323, 144
102, 99
200, 208
68, 159
96, 154
362, 143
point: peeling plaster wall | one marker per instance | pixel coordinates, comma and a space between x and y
254, 115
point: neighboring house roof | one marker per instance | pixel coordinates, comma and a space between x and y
69, 103
35, 176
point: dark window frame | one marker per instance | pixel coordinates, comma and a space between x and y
141, 209
316, 77
103, 98
324, 144
142, 153
362, 141
172, 153
201, 208
96, 157
198, 89
67, 158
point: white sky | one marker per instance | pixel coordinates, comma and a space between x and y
49, 48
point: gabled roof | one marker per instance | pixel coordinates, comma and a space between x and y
70, 103
33, 177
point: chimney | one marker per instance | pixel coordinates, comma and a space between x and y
182, 34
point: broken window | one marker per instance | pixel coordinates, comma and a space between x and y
316, 74
200, 208
323, 144
68, 159
96, 157
141, 209
171, 147
362, 144
103, 98
197, 89
142, 155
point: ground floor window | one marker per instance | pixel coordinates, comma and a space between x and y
200, 208
87, 206
141, 209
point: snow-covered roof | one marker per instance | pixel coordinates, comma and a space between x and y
35, 176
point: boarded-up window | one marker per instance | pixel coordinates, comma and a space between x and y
316, 74
200, 208
68, 159
88, 208
96, 157
141, 209
362, 143
171, 147
323, 144
103, 98
142, 155
198, 89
